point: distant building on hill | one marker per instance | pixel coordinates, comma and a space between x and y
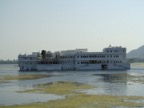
8, 61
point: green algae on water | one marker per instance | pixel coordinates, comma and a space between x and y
60, 88
21, 77
74, 99
85, 101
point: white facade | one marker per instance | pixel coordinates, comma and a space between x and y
79, 59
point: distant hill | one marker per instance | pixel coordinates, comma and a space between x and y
137, 53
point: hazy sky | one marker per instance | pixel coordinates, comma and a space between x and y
33, 25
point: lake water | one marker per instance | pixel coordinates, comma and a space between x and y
106, 82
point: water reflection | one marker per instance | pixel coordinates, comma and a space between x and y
116, 84
115, 78
110, 84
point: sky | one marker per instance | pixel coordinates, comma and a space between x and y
28, 26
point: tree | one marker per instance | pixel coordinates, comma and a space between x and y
43, 53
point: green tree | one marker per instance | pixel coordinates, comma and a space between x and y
43, 53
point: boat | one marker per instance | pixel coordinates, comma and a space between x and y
111, 58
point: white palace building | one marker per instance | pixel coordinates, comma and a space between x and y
111, 58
